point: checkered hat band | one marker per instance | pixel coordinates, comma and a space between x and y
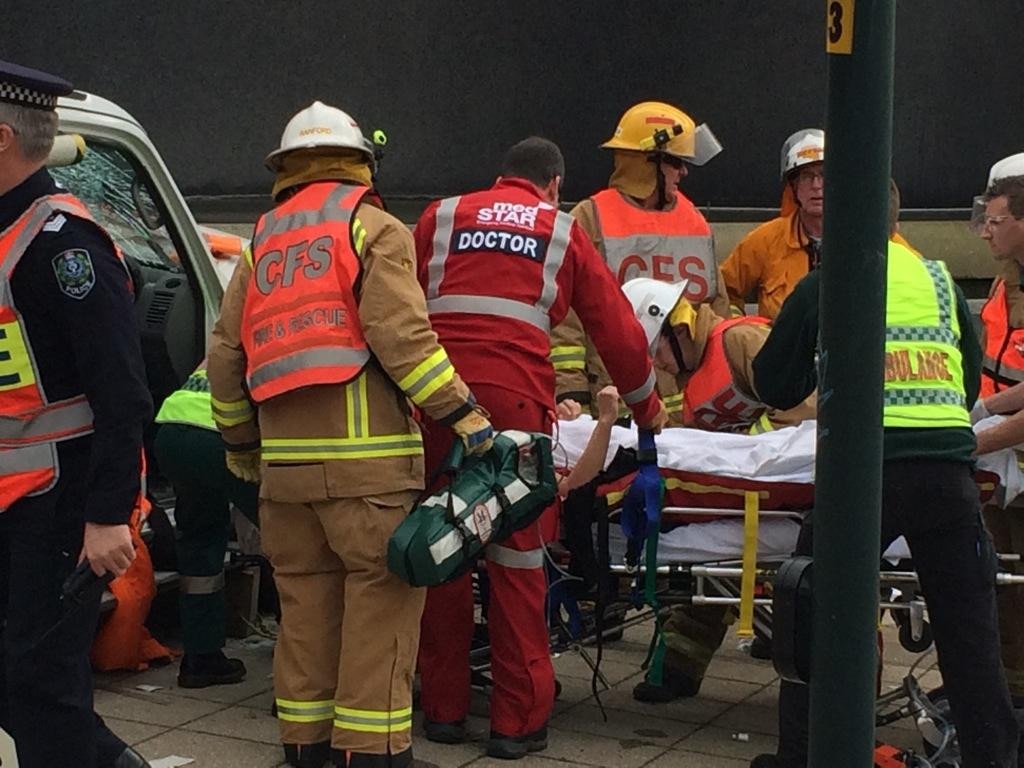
26, 97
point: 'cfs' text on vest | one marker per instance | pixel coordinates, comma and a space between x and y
921, 365
277, 268
513, 243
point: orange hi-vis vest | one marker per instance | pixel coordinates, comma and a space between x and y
300, 323
711, 399
669, 245
30, 424
1003, 363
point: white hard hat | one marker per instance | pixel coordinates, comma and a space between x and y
1011, 165
653, 301
319, 125
804, 147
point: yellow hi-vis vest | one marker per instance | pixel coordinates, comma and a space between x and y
190, 404
924, 377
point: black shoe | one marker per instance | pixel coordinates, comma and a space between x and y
765, 761
761, 648
199, 670
445, 733
308, 755
674, 686
364, 760
515, 747
130, 759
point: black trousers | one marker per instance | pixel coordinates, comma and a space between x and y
46, 701
935, 505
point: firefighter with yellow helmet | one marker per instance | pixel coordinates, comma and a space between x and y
324, 335
644, 226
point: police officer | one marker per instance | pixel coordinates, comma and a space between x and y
191, 455
73, 405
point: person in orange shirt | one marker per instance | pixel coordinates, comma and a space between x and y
773, 258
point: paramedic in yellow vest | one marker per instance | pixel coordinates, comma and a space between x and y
712, 362
1001, 224
325, 336
644, 226
932, 365
773, 257
190, 453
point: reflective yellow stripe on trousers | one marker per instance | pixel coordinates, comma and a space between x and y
373, 720
304, 711
327, 448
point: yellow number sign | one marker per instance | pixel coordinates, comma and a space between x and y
839, 26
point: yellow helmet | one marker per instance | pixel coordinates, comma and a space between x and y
653, 126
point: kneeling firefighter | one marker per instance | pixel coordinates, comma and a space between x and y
325, 333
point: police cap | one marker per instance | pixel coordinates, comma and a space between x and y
31, 88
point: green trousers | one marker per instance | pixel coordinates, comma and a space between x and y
192, 458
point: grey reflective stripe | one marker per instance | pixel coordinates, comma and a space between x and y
513, 558
201, 585
403, 721
943, 292
490, 305
57, 421
29, 458
298, 361
553, 260
442, 243
926, 333
923, 396
641, 393
1001, 369
37, 217
274, 223
311, 712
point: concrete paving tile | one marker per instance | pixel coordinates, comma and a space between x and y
262, 701
445, 755
695, 710
131, 732
256, 681
212, 751
598, 750
732, 691
530, 761
575, 690
239, 722
751, 671
753, 718
725, 742
157, 708
572, 665
586, 718
682, 759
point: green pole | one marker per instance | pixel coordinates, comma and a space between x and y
858, 131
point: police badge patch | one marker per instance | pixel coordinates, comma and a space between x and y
74, 271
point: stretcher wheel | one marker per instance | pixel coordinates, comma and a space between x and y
921, 644
558, 688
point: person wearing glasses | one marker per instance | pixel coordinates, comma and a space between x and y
643, 226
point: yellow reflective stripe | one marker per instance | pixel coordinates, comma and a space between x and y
326, 448
350, 408
304, 711
568, 358
233, 413
364, 411
247, 253
372, 720
762, 425
358, 234
428, 377
673, 403
234, 406
357, 407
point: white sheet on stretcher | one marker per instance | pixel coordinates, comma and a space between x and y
784, 455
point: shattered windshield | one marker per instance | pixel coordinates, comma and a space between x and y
120, 200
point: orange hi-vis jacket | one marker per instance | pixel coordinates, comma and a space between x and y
670, 245
30, 425
300, 324
711, 399
1003, 363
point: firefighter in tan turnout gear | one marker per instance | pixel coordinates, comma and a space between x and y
324, 334
644, 226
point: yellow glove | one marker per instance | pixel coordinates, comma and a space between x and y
245, 465
475, 431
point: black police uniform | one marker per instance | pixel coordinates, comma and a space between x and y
85, 341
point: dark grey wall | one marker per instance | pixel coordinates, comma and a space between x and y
454, 82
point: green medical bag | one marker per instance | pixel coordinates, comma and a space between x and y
488, 498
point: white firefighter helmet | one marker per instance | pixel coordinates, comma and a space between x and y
1011, 165
320, 125
653, 301
804, 147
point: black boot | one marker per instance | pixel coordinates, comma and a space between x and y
515, 747
673, 686
445, 733
130, 759
308, 755
364, 760
199, 670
